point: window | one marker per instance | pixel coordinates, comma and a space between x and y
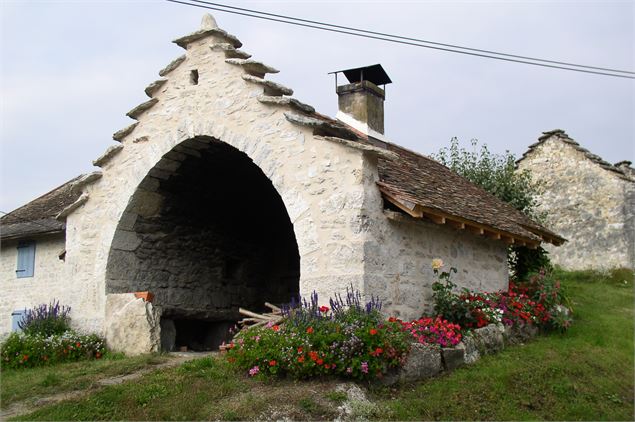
16, 317
26, 259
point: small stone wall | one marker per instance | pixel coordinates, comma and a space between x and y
426, 361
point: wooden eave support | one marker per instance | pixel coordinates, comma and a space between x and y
416, 211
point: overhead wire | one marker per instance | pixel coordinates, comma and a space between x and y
398, 41
419, 40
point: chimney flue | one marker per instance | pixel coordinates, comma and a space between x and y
361, 102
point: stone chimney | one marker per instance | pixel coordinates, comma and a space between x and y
361, 101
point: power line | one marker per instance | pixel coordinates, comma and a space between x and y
416, 44
383, 34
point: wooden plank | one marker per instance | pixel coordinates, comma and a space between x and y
456, 224
402, 205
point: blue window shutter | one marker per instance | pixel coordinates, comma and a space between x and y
16, 316
26, 259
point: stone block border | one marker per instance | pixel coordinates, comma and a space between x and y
426, 361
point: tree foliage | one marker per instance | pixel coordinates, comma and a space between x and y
497, 174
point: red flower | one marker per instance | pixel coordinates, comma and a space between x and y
319, 361
313, 355
276, 328
272, 363
301, 359
372, 331
300, 350
327, 366
78, 344
324, 309
309, 330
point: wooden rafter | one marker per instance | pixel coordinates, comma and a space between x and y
439, 217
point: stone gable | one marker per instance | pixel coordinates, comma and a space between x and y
587, 200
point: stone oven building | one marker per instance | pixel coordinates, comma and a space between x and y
587, 200
228, 192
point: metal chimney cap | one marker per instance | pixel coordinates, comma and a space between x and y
375, 74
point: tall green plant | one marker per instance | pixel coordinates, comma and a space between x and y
497, 174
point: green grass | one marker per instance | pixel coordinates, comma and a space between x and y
585, 374
21, 384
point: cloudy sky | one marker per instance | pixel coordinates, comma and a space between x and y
72, 69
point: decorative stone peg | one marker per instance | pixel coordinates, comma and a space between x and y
208, 22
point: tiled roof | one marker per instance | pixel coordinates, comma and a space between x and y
423, 187
38, 216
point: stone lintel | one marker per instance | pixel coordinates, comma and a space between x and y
141, 108
120, 134
107, 155
230, 51
172, 65
358, 145
321, 127
283, 101
270, 87
203, 33
72, 207
154, 86
87, 179
253, 67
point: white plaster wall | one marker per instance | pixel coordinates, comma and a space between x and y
320, 182
398, 256
48, 281
590, 206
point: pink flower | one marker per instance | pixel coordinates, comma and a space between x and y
365, 367
253, 371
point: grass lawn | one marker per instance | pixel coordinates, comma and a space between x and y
21, 384
585, 374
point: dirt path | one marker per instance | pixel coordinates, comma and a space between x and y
27, 406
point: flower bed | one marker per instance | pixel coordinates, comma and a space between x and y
347, 339
538, 302
22, 350
46, 338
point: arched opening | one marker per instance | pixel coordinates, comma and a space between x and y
207, 233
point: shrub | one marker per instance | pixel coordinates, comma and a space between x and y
349, 339
498, 175
447, 303
46, 320
22, 350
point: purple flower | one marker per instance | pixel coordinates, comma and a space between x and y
365, 367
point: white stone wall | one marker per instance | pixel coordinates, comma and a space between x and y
46, 284
344, 238
585, 203
319, 181
399, 250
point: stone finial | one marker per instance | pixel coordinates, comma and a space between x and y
208, 22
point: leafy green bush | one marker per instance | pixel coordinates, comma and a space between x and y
22, 350
498, 175
46, 320
447, 303
351, 340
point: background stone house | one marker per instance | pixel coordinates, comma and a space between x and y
228, 192
587, 200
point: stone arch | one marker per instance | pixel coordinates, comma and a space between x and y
206, 231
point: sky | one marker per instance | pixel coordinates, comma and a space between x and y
70, 70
